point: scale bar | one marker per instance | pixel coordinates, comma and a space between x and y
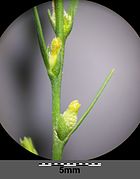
49, 164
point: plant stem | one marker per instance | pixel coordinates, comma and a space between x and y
59, 16
91, 105
56, 88
58, 145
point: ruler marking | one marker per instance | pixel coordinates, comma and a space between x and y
43, 164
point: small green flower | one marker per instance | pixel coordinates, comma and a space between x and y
27, 143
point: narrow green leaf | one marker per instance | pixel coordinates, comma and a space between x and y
41, 39
73, 7
51, 21
92, 104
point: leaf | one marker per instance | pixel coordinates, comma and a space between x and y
27, 143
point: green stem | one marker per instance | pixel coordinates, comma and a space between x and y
91, 105
58, 145
59, 15
57, 148
56, 90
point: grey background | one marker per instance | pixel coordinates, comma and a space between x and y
100, 40
109, 169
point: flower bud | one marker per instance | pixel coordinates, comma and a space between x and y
74, 106
68, 119
67, 23
55, 46
54, 52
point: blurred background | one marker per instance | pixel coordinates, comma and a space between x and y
99, 41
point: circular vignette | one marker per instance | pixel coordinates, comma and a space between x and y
100, 40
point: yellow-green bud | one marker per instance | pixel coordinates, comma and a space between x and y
70, 115
74, 106
67, 23
54, 51
55, 45
68, 119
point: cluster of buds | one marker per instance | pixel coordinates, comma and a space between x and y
68, 120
